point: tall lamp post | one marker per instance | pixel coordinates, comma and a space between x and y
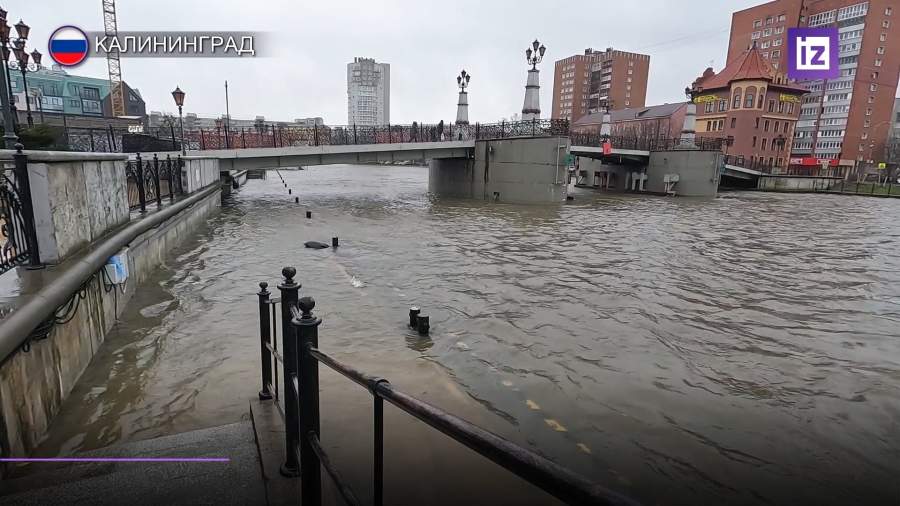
689, 128
9, 116
531, 109
178, 95
24, 67
462, 106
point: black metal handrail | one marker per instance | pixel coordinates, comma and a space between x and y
271, 136
145, 180
303, 450
18, 236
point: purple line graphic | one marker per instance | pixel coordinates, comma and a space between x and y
119, 459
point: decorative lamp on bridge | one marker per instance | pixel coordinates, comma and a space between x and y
462, 106
17, 47
178, 95
531, 109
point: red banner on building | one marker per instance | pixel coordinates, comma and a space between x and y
810, 160
607, 148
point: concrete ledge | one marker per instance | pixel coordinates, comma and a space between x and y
62, 156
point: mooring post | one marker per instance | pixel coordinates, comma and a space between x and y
307, 328
422, 325
413, 316
308, 214
289, 293
334, 242
296, 200
264, 340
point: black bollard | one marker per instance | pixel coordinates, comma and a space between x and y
296, 200
308, 214
422, 325
334, 242
289, 191
414, 316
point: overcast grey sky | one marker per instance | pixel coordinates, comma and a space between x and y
426, 42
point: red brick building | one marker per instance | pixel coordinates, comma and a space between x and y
846, 120
583, 82
753, 106
661, 122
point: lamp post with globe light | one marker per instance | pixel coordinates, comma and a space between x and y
531, 109
462, 106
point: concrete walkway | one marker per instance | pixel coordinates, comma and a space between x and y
236, 482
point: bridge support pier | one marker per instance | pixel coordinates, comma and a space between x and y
527, 170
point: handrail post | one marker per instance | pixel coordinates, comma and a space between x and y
171, 172
23, 188
265, 338
156, 180
289, 291
178, 172
139, 175
307, 328
354, 134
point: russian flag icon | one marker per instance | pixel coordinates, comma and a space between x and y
68, 46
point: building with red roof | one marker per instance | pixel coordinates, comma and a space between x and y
753, 106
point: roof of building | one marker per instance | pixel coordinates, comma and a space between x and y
750, 65
632, 113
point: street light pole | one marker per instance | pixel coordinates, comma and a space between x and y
9, 126
178, 95
531, 109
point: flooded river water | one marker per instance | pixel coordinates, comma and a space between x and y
740, 350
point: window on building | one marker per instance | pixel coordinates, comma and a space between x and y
757, 123
765, 126
755, 35
776, 43
883, 37
769, 20
749, 98
880, 50
74, 102
877, 62
873, 87
736, 101
709, 107
775, 127
888, 11
781, 18
767, 32
763, 144
779, 29
886, 24
734, 121
762, 96
757, 23
871, 99
723, 104
754, 142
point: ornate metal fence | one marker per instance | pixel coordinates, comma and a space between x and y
300, 357
18, 239
153, 179
270, 136
643, 143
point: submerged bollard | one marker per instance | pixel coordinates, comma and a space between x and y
422, 325
414, 316
289, 191
334, 242
309, 214
296, 200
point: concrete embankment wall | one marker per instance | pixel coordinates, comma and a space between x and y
521, 170
37, 377
698, 172
797, 183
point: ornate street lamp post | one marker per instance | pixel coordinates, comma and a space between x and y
178, 95
531, 109
689, 128
462, 106
9, 115
22, 61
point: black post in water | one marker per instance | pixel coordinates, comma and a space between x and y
289, 191
156, 180
139, 175
296, 200
289, 293
308, 214
334, 242
414, 316
264, 339
422, 325
307, 328
23, 189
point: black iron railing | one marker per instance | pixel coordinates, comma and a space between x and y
18, 237
152, 180
300, 357
119, 139
648, 143
270, 136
